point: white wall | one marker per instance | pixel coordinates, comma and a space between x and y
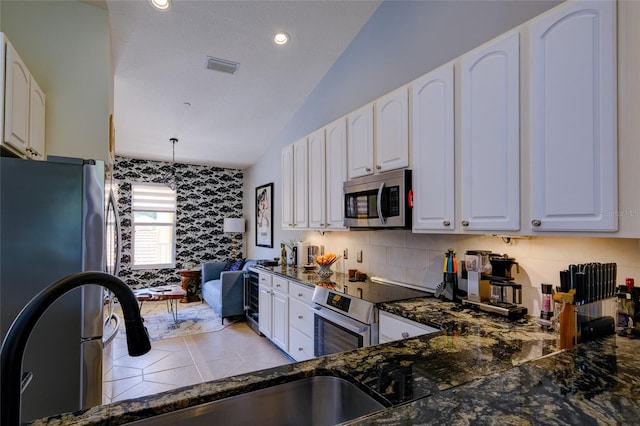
65, 45
417, 258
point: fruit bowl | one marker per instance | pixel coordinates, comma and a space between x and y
325, 261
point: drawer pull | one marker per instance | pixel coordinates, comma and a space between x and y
300, 316
300, 295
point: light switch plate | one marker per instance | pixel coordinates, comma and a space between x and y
359, 256
345, 254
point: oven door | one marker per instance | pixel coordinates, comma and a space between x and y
334, 332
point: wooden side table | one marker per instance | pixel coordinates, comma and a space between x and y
190, 284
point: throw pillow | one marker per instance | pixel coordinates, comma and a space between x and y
234, 265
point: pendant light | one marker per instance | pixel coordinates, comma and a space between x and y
170, 178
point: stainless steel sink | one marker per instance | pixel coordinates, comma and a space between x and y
318, 400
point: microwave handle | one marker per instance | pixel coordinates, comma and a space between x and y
383, 220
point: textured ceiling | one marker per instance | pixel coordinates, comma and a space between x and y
159, 64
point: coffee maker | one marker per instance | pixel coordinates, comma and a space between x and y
505, 295
306, 254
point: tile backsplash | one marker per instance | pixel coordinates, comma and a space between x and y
417, 258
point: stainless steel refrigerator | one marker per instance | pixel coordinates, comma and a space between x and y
52, 225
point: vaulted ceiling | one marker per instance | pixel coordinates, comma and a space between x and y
163, 89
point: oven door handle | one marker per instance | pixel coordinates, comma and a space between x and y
383, 219
339, 319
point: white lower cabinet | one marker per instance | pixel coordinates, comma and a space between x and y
280, 320
300, 322
393, 327
273, 307
285, 315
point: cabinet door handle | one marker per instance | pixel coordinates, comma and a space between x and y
465, 223
378, 166
536, 222
405, 334
300, 317
300, 294
446, 223
300, 349
368, 169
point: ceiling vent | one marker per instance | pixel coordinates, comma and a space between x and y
217, 64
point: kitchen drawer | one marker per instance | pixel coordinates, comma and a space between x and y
393, 327
300, 345
300, 292
300, 316
265, 279
280, 284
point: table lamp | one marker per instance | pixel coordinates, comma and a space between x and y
233, 226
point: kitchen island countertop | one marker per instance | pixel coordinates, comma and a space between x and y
480, 367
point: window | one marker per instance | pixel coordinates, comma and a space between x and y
154, 226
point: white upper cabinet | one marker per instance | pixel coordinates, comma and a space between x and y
24, 107
490, 136
392, 131
360, 142
573, 118
300, 184
286, 165
36, 121
432, 108
295, 192
317, 180
16, 130
336, 172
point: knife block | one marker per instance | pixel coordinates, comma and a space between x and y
568, 326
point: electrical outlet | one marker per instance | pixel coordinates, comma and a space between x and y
345, 254
359, 256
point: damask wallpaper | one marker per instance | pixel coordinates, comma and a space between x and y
205, 196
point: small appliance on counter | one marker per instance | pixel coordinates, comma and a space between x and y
475, 270
491, 288
501, 266
307, 254
506, 297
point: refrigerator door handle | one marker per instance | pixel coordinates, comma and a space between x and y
112, 318
27, 376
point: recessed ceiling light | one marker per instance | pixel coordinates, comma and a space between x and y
281, 38
160, 4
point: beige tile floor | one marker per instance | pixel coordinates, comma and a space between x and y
184, 361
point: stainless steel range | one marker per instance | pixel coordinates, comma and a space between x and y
345, 313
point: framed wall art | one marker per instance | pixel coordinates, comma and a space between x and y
264, 215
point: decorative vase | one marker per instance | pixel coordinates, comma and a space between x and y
325, 271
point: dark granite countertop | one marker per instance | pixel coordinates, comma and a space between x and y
481, 368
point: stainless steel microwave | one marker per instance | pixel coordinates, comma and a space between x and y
379, 201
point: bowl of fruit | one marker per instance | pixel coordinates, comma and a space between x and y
324, 262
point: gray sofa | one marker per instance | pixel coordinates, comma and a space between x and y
224, 290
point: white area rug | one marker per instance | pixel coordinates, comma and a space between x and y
193, 318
